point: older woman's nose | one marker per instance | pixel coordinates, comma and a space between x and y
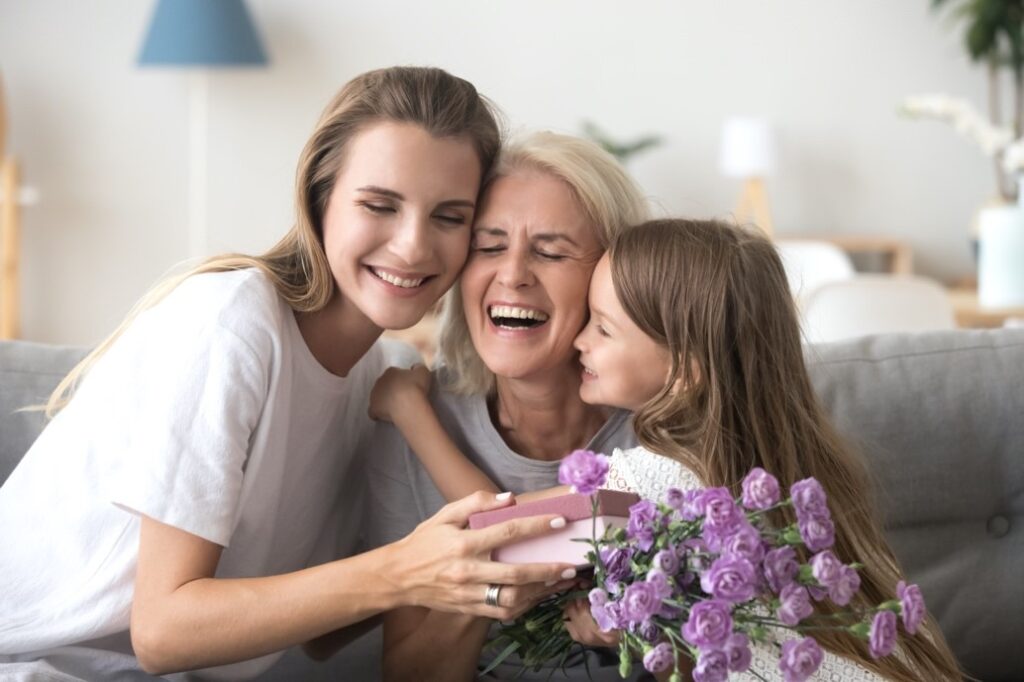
514, 270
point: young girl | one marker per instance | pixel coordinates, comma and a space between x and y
171, 514
692, 327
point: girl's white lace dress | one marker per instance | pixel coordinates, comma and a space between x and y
649, 475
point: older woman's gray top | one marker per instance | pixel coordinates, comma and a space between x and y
401, 494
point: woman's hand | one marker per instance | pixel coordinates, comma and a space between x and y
442, 565
583, 628
394, 386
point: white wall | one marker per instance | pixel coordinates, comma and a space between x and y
106, 141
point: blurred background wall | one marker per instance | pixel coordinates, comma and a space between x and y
105, 141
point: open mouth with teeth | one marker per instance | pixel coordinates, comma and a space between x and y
514, 317
398, 281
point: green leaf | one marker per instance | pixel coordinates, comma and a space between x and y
500, 658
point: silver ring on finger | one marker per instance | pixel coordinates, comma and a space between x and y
491, 595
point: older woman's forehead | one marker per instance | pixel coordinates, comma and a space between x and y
538, 205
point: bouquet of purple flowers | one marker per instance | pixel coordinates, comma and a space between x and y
707, 576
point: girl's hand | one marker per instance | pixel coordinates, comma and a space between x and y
583, 628
394, 386
442, 565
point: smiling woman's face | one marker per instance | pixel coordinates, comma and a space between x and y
525, 285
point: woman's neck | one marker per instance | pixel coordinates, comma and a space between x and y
338, 334
544, 418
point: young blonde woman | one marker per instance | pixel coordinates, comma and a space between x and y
198, 467
692, 328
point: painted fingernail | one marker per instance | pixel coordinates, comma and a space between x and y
569, 573
558, 522
501, 497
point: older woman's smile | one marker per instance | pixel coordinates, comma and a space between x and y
511, 316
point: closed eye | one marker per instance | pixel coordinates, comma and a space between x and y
377, 208
451, 219
551, 256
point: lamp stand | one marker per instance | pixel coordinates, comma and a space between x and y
198, 90
9, 247
753, 206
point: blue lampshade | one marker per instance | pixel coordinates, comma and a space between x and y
202, 33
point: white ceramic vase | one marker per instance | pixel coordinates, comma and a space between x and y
1001, 255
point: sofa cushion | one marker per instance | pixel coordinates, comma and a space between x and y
940, 418
28, 373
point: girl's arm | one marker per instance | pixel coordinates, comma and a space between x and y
183, 618
400, 396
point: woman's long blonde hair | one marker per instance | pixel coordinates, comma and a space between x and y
717, 297
444, 105
610, 199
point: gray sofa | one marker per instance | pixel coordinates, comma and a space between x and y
939, 416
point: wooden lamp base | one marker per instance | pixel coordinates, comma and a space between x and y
752, 207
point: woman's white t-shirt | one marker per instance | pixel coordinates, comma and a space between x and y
209, 414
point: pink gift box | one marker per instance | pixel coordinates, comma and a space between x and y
559, 546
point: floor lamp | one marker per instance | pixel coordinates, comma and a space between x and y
199, 35
748, 152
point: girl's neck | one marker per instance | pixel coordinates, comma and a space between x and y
544, 418
338, 334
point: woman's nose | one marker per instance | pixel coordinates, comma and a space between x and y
514, 270
411, 241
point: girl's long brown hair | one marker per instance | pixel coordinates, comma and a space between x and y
442, 104
717, 296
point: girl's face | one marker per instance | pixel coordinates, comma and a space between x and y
525, 286
622, 366
396, 228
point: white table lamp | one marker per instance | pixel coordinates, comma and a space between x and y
748, 152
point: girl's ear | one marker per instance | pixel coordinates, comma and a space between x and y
681, 384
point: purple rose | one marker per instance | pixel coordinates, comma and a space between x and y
842, 591
818, 532
737, 650
882, 638
598, 597
643, 522
826, 568
800, 659
674, 498
912, 610
663, 586
667, 560
709, 624
731, 578
809, 498
720, 511
584, 470
616, 564
780, 567
659, 658
794, 604
745, 542
712, 666
640, 601
760, 489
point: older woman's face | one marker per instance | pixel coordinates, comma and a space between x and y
525, 285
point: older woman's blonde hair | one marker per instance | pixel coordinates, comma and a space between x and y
604, 191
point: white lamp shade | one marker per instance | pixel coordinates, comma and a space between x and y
748, 148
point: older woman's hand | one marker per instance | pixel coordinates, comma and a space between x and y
442, 565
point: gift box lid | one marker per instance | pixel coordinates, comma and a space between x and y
574, 507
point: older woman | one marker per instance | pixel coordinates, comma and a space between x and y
508, 391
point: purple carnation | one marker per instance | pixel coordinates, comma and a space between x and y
709, 624
737, 650
795, 604
842, 591
712, 666
760, 489
800, 659
584, 470
660, 658
720, 511
616, 565
598, 597
604, 616
692, 507
667, 560
644, 519
818, 532
640, 601
912, 609
731, 578
882, 638
826, 568
780, 567
745, 542
647, 631
674, 498
809, 498
663, 585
